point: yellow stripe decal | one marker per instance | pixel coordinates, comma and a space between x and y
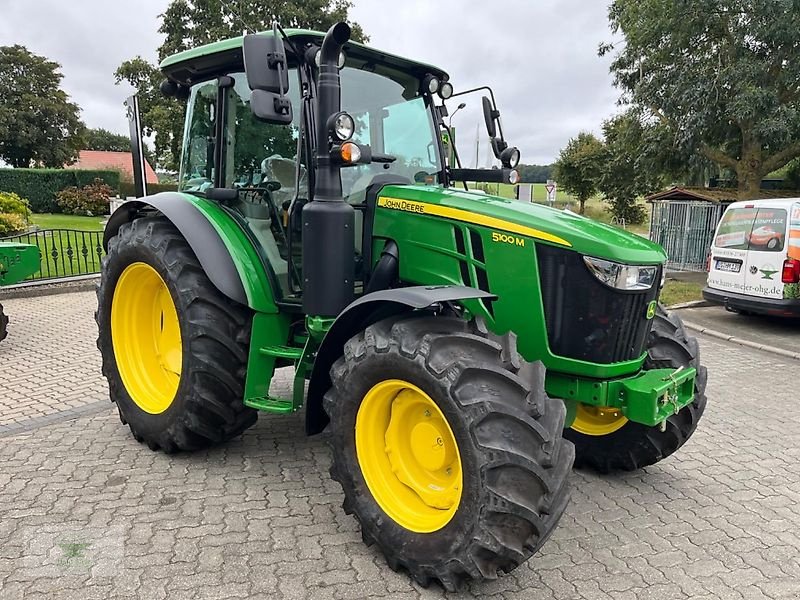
466, 216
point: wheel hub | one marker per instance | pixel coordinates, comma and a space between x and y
408, 456
598, 420
146, 336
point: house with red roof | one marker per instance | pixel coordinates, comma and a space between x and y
118, 161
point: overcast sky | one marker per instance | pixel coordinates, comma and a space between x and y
540, 57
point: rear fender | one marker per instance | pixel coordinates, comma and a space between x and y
365, 311
227, 254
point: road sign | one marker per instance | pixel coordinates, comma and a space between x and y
551, 187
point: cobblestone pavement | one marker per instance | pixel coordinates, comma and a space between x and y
54, 335
86, 512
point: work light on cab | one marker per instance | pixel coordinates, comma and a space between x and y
622, 277
446, 90
431, 84
343, 126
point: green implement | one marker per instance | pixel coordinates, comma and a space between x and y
17, 261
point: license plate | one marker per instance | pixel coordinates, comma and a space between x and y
729, 267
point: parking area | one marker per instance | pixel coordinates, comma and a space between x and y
86, 512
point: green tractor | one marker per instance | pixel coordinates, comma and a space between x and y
17, 261
460, 348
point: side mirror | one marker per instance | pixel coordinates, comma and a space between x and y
267, 73
490, 115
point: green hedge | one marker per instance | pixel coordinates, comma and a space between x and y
127, 189
40, 186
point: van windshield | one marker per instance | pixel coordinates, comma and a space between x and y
760, 229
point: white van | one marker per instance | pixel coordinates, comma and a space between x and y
754, 263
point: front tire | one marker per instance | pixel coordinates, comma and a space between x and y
174, 348
606, 442
448, 450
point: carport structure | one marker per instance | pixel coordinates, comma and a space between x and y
683, 221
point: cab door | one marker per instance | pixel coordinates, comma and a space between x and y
766, 253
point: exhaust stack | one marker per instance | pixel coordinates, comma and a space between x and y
328, 221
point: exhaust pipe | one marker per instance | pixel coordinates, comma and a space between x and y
328, 221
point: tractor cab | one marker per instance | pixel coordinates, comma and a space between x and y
390, 129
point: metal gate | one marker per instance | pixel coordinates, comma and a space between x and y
685, 229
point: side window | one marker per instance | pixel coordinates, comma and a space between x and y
197, 162
259, 152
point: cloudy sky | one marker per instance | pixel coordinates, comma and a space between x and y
540, 57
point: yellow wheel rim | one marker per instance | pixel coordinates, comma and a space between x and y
146, 337
408, 456
598, 420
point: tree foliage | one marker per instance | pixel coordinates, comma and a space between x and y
191, 23
721, 78
622, 178
579, 165
39, 126
535, 173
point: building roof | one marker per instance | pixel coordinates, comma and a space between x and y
715, 195
117, 161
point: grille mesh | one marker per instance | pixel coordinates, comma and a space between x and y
587, 320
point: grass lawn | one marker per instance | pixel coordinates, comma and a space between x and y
676, 292
54, 221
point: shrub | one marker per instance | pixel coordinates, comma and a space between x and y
40, 186
89, 200
128, 189
14, 213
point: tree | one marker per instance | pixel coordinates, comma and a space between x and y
535, 173
103, 139
578, 167
39, 126
722, 76
191, 23
622, 178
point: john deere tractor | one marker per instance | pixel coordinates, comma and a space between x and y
17, 261
460, 348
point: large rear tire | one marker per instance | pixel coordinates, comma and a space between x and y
174, 348
607, 442
447, 448
3, 324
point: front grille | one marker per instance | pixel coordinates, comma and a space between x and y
587, 320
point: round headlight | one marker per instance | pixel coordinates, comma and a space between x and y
510, 157
431, 84
446, 90
343, 126
513, 177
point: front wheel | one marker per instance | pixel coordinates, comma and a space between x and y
606, 441
447, 448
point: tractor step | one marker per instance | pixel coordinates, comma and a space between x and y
269, 404
282, 352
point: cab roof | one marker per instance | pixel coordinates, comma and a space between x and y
204, 62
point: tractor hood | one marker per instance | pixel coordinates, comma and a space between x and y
562, 228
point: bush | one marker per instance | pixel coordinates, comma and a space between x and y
14, 213
128, 189
40, 186
627, 209
89, 200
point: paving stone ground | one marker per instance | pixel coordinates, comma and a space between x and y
86, 512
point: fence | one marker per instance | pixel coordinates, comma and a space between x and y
685, 229
65, 252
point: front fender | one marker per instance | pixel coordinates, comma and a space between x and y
365, 311
227, 254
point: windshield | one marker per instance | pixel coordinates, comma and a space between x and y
394, 120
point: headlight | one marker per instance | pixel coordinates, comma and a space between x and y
343, 126
622, 277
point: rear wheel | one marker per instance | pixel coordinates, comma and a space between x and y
606, 441
3, 324
174, 348
448, 450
